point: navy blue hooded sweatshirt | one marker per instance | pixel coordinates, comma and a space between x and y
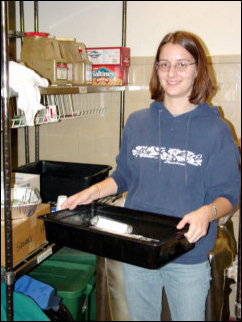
174, 165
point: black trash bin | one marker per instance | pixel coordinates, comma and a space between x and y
64, 178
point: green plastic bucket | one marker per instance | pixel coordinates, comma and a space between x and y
73, 255
74, 283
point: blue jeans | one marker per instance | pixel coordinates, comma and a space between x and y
186, 288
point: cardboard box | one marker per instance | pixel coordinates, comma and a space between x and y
119, 56
27, 234
108, 75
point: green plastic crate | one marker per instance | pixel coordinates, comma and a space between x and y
74, 283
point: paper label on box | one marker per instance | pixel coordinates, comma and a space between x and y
116, 56
44, 255
61, 71
104, 56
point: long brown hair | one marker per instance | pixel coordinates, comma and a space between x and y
203, 86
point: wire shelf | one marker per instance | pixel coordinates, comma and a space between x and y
63, 106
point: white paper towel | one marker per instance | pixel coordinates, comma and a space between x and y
26, 83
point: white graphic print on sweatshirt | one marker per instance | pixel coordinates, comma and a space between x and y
171, 155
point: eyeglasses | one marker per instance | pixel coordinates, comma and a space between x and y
180, 66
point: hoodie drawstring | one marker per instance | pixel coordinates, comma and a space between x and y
186, 145
160, 140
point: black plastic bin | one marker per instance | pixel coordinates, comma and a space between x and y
64, 178
153, 241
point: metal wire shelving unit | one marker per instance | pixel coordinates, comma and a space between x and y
63, 98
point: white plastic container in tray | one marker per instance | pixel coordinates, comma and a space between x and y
23, 202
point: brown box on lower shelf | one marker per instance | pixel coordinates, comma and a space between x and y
27, 234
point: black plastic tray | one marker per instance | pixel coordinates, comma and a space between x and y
64, 178
154, 240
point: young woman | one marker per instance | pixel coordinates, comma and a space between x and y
178, 158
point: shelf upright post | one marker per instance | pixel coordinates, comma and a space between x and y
36, 29
122, 94
9, 275
26, 129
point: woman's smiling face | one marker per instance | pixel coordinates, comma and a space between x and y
177, 71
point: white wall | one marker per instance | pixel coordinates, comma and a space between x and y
218, 23
99, 23
95, 23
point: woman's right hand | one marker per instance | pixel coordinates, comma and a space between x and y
83, 197
99, 190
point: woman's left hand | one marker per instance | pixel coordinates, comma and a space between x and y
198, 221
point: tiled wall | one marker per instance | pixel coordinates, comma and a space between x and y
228, 75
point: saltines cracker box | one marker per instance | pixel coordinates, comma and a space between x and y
110, 65
108, 75
109, 56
